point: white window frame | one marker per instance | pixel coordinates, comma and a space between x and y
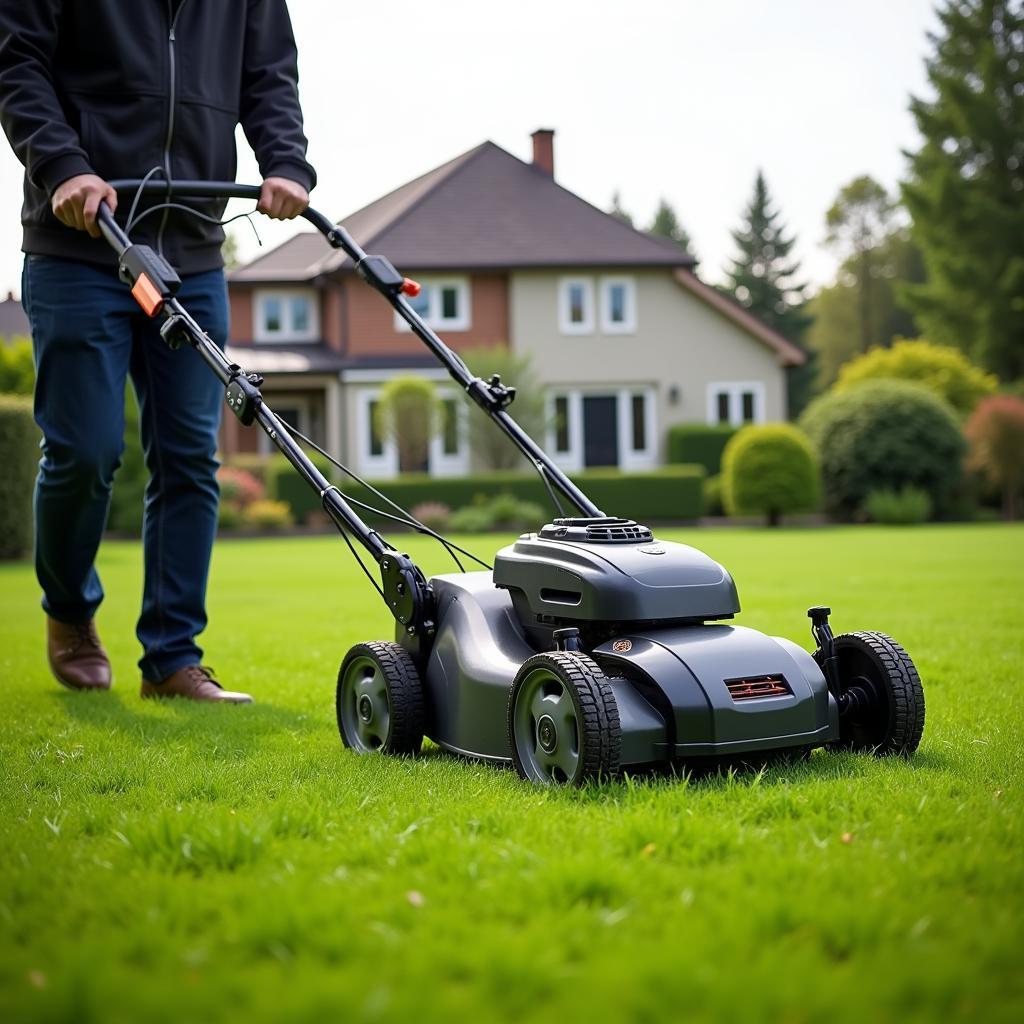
434, 285
609, 326
286, 335
282, 400
385, 465
735, 390
630, 459
565, 325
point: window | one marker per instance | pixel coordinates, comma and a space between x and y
444, 304
638, 408
736, 404
576, 305
449, 426
375, 442
618, 305
562, 424
286, 316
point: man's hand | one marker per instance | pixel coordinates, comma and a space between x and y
282, 199
76, 201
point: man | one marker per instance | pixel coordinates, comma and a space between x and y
92, 90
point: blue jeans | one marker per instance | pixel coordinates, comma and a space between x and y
88, 336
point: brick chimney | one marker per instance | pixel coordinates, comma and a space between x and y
544, 150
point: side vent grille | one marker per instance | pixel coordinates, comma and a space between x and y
755, 687
619, 534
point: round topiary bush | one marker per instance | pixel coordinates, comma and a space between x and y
769, 470
884, 435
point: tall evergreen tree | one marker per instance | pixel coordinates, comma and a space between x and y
965, 190
666, 225
617, 210
763, 278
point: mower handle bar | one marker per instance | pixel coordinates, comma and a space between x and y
492, 397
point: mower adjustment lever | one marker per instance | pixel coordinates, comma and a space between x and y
243, 394
407, 594
822, 633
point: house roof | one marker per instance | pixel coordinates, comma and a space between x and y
13, 321
788, 353
486, 209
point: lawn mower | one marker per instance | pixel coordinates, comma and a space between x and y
591, 646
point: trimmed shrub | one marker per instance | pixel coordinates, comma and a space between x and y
699, 444
267, 515
19, 456
906, 507
432, 514
285, 484
17, 367
713, 496
503, 512
239, 487
670, 494
995, 433
884, 435
945, 371
409, 413
771, 470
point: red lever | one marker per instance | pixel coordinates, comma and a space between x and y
410, 287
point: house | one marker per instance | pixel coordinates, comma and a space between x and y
626, 340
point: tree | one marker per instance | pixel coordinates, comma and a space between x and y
859, 223
409, 413
488, 444
618, 212
946, 371
995, 433
965, 190
763, 279
666, 225
229, 250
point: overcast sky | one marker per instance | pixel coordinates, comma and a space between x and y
672, 98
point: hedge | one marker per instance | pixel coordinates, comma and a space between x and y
19, 455
284, 484
673, 493
697, 443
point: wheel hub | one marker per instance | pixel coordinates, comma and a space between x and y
547, 734
365, 709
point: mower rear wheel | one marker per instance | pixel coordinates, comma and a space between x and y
563, 721
882, 693
379, 700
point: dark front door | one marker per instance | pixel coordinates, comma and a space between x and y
600, 430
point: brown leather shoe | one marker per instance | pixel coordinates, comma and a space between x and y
76, 656
194, 682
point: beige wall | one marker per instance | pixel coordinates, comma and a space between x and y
678, 342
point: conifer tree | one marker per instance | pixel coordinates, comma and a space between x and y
666, 225
763, 278
965, 190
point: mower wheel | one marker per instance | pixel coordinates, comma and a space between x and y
884, 700
379, 700
563, 721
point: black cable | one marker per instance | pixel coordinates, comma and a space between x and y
551, 491
406, 518
355, 555
196, 213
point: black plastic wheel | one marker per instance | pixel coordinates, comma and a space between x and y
884, 710
563, 721
379, 700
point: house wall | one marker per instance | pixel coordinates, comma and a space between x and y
371, 329
679, 345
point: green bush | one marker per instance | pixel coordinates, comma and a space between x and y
284, 483
19, 456
670, 494
503, 512
266, 514
697, 443
884, 435
905, 507
17, 367
433, 515
945, 371
770, 470
713, 496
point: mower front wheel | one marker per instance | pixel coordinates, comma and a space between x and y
563, 721
881, 698
379, 700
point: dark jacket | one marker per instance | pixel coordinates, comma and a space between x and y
117, 87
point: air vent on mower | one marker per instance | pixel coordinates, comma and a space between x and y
753, 687
604, 530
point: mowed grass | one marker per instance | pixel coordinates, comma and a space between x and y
194, 863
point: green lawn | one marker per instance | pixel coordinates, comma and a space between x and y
177, 862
